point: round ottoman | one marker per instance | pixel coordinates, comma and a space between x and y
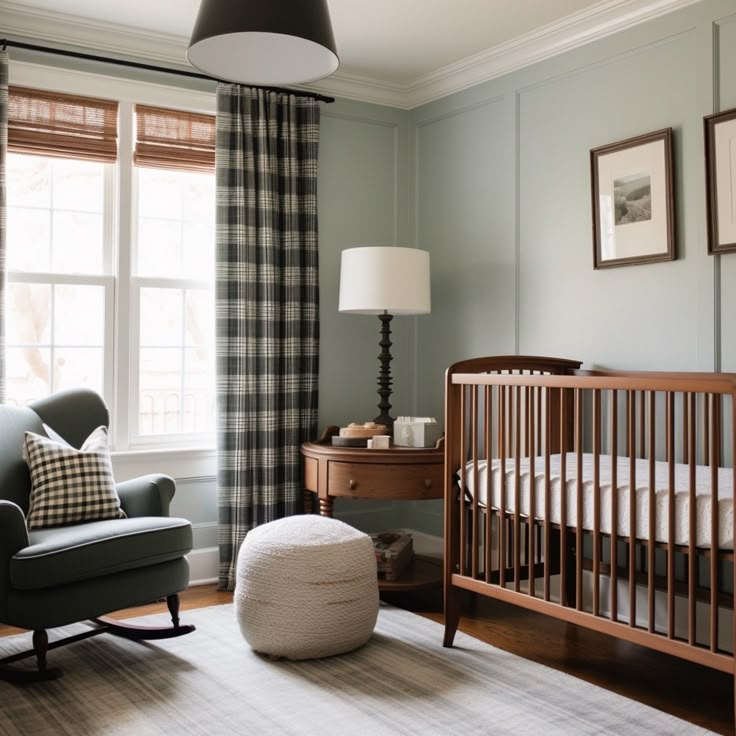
306, 587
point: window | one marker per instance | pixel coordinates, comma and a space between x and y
174, 302
59, 291
111, 261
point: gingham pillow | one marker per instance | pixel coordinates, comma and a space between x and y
69, 485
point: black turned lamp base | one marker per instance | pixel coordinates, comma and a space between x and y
384, 373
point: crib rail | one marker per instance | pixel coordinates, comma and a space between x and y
533, 445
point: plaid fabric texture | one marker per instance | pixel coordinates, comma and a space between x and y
267, 307
69, 485
3, 214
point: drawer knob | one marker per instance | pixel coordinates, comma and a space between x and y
353, 484
427, 483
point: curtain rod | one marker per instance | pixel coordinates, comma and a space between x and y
151, 67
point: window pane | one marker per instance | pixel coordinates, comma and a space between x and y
159, 390
177, 381
42, 359
161, 317
29, 239
28, 180
199, 391
29, 314
78, 185
159, 193
78, 243
158, 245
75, 367
79, 315
55, 215
176, 224
200, 319
28, 374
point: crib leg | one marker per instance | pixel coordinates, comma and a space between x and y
453, 600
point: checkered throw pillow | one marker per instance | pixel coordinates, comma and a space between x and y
69, 485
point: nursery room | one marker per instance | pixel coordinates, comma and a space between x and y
367, 367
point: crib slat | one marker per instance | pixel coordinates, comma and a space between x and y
691, 559
614, 505
488, 455
651, 541
596, 501
517, 492
642, 437
579, 551
532, 493
563, 499
476, 482
685, 429
463, 478
547, 511
715, 442
706, 429
671, 515
631, 402
502, 452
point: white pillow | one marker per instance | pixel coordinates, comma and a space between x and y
69, 486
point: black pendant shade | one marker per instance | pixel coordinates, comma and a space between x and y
264, 42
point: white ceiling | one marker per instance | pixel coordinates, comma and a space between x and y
401, 52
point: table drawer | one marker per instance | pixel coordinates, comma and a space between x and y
405, 481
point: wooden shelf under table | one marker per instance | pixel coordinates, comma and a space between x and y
422, 573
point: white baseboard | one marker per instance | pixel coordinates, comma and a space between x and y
203, 565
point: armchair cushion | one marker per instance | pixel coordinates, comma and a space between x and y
73, 553
70, 485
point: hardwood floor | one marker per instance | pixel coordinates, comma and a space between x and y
694, 693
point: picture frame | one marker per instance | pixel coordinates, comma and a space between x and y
720, 181
633, 201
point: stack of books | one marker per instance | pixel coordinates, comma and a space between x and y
394, 552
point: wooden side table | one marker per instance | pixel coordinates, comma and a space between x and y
399, 473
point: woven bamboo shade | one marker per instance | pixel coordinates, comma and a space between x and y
172, 139
68, 126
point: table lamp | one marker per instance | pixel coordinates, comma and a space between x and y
387, 281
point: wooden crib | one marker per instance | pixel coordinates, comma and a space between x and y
540, 462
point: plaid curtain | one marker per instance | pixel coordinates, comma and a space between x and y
267, 307
3, 214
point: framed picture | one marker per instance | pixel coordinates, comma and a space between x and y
633, 201
720, 181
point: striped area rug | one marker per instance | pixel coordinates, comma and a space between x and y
402, 682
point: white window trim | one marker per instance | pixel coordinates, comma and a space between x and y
117, 387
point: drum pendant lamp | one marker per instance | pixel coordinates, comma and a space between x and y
264, 42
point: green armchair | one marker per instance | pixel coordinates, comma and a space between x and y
57, 576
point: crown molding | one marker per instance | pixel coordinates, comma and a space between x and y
591, 24
364, 89
595, 22
63, 29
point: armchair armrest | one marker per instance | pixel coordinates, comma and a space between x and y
13, 537
149, 495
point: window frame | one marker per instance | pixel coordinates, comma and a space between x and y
164, 453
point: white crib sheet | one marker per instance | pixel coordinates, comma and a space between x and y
682, 501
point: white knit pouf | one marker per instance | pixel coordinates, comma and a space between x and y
306, 586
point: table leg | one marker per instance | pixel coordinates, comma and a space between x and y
308, 502
325, 506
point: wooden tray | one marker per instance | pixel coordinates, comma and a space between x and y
350, 441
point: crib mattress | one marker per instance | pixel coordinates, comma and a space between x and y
682, 501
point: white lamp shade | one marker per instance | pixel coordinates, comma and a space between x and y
381, 279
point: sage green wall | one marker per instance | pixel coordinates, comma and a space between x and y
363, 200
501, 193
